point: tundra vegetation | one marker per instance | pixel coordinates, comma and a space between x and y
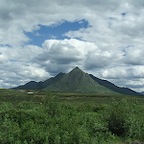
54, 118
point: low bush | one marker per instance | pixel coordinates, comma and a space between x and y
54, 122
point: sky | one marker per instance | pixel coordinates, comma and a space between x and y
39, 39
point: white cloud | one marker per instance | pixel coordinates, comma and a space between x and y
111, 47
124, 71
17, 66
98, 59
64, 54
3, 58
134, 55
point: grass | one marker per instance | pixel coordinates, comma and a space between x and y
17, 96
58, 118
78, 98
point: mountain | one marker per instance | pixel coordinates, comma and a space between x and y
77, 81
52, 80
113, 87
32, 85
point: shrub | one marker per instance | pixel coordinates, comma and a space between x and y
117, 117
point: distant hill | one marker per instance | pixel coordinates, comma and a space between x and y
77, 81
113, 87
32, 85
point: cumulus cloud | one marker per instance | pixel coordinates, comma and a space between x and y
3, 58
98, 59
111, 47
64, 54
17, 66
124, 71
124, 75
134, 55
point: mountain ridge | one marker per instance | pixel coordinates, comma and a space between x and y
122, 90
77, 81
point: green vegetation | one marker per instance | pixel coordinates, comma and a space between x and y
69, 118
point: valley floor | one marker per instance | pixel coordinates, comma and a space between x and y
56, 118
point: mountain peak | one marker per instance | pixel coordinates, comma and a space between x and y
76, 67
77, 70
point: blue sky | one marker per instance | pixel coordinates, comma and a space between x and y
55, 31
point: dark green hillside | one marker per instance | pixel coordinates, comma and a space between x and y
78, 81
52, 80
32, 85
40, 85
113, 87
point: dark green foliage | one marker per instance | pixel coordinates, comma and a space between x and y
126, 119
54, 122
117, 118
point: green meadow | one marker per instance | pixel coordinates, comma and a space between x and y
70, 118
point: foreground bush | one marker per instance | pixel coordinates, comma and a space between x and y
126, 119
53, 122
